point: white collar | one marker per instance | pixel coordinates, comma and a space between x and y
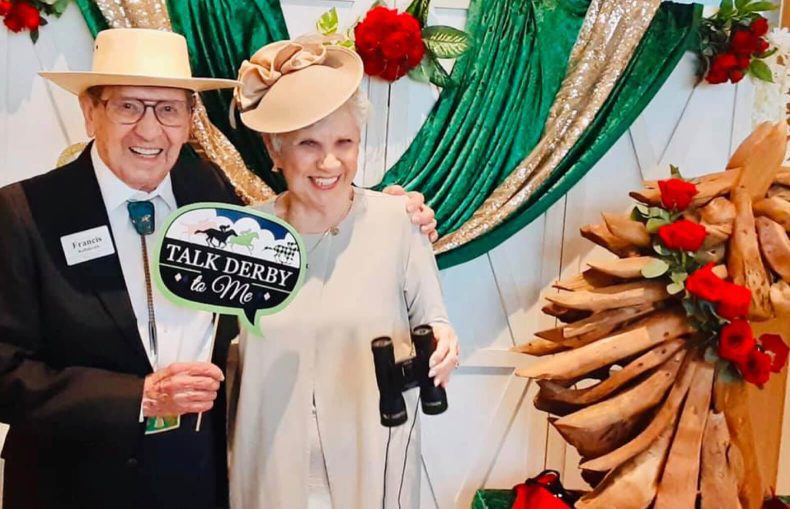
116, 192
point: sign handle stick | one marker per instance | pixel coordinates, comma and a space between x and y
211, 350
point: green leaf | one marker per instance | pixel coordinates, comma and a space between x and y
431, 71
678, 277
760, 6
328, 22
660, 249
675, 171
655, 268
421, 72
689, 307
760, 70
379, 3
786, 500
59, 7
728, 374
346, 43
419, 9
34, 35
437, 75
675, 288
446, 42
739, 4
654, 223
726, 9
640, 213
768, 53
711, 356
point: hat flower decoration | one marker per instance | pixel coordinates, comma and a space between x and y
394, 44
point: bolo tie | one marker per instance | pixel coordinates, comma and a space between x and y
141, 213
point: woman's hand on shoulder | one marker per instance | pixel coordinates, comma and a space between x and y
445, 359
421, 214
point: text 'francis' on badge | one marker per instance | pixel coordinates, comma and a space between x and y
230, 260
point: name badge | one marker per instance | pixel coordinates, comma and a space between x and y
87, 245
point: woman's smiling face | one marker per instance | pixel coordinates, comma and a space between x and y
319, 162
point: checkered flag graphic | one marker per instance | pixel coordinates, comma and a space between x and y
284, 253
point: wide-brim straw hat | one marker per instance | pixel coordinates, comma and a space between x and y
137, 57
288, 85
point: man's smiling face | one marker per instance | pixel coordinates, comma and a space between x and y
143, 153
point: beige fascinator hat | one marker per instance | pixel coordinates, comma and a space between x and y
288, 85
137, 57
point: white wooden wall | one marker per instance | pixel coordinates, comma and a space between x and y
490, 436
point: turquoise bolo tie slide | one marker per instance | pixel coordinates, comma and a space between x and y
142, 215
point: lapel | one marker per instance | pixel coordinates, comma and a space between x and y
70, 201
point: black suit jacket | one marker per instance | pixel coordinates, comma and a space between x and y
71, 359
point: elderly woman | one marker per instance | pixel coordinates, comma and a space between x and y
308, 430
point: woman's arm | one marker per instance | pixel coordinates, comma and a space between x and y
423, 294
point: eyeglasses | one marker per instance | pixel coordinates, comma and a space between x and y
169, 113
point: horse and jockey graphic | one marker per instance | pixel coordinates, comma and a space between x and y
226, 237
218, 237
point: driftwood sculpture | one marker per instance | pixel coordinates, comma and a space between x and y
662, 415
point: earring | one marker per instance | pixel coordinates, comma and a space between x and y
275, 169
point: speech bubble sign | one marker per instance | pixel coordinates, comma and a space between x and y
230, 260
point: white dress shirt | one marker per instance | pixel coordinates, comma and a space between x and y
183, 334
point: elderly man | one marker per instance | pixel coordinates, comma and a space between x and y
92, 357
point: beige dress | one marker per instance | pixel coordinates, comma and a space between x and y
376, 277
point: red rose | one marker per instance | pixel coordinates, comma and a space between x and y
394, 70
736, 341
390, 44
736, 76
22, 15
29, 15
774, 345
716, 77
759, 27
724, 62
373, 66
744, 62
682, 235
704, 284
743, 42
734, 302
408, 23
14, 23
762, 45
757, 367
395, 46
676, 193
5, 7
416, 52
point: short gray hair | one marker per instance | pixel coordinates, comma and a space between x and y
360, 109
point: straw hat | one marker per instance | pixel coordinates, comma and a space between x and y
288, 85
137, 57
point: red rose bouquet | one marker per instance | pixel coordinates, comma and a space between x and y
393, 44
733, 44
21, 15
717, 308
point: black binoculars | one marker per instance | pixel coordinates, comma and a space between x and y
394, 378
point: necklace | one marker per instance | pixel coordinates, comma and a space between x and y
334, 230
